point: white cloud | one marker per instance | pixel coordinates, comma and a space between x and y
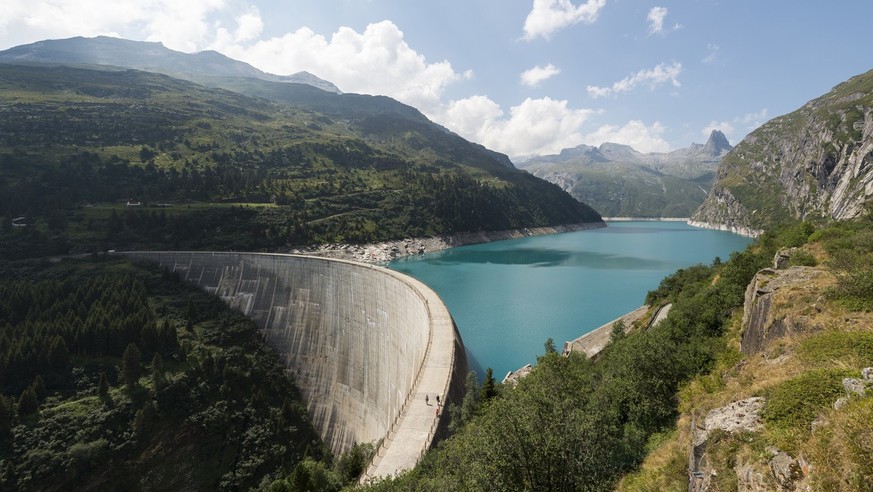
713, 53
738, 127
635, 133
536, 126
656, 19
723, 126
652, 77
183, 26
754, 119
536, 75
375, 61
548, 16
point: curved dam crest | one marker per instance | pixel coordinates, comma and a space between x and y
364, 343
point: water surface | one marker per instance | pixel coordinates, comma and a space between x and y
508, 297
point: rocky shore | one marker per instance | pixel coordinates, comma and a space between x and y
391, 250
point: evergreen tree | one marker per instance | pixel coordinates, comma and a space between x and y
5, 416
103, 386
550, 346
59, 355
27, 403
131, 365
159, 377
489, 390
39, 387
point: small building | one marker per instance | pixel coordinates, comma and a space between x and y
22, 221
134, 203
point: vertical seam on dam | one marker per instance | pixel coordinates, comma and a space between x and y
364, 343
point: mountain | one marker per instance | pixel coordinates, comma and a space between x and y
201, 67
207, 168
617, 180
815, 163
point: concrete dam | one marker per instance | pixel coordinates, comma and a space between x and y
364, 343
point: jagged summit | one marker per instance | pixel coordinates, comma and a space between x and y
717, 144
200, 67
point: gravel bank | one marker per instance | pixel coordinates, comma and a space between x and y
391, 250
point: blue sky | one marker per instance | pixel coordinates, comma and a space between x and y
519, 76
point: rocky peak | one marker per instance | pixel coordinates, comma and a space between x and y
717, 144
619, 152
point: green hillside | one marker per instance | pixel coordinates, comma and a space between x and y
212, 168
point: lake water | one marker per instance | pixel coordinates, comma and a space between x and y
508, 297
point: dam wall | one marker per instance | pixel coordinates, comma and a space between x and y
365, 344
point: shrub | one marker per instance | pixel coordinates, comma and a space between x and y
795, 403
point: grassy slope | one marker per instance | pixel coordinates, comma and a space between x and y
629, 190
800, 376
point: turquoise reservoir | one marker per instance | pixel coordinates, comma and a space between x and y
508, 297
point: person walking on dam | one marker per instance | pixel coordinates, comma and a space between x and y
426, 400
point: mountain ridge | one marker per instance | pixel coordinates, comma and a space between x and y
151, 57
618, 180
815, 163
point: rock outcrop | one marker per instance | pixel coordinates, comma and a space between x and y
739, 416
809, 164
760, 323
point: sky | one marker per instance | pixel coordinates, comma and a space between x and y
522, 77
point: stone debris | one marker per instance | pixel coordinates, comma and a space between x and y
386, 251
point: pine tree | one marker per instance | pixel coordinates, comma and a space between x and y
59, 355
488, 389
131, 365
5, 416
27, 403
159, 377
103, 386
39, 387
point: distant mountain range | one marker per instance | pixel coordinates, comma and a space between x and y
617, 180
203, 67
815, 163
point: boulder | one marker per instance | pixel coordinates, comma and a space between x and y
786, 470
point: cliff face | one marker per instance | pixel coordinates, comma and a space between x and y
814, 163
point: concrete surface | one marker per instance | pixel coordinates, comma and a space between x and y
595, 340
364, 343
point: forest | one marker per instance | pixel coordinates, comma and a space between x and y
116, 376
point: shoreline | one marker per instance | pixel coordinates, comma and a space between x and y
742, 231
386, 251
646, 219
